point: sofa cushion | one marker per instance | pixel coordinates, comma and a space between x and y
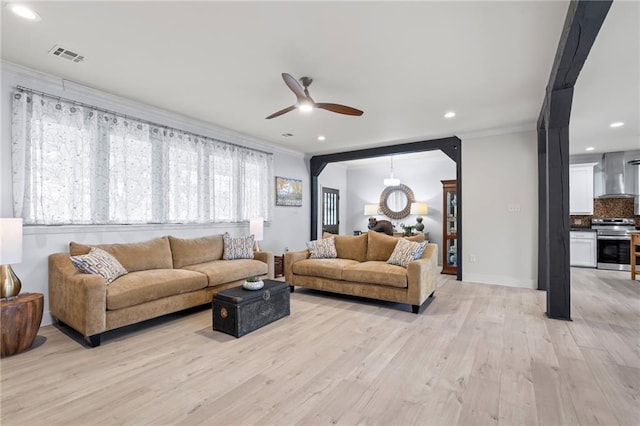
352, 247
380, 246
226, 271
323, 249
237, 247
191, 251
144, 286
376, 272
99, 262
324, 268
418, 238
154, 254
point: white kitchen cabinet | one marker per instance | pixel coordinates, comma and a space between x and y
583, 248
581, 188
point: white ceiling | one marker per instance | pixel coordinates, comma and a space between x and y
404, 63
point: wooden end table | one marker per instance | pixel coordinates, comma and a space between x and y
278, 266
19, 322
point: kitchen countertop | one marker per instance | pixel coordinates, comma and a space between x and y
582, 230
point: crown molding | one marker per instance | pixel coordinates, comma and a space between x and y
55, 85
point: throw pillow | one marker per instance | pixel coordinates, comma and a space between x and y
99, 262
420, 250
323, 249
405, 252
238, 247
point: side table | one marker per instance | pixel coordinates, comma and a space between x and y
19, 322
278, 266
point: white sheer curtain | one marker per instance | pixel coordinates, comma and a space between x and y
78, 165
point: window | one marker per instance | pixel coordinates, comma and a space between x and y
79, 165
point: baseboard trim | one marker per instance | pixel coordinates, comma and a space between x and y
500, 280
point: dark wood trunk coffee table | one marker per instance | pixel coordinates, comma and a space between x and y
237, 311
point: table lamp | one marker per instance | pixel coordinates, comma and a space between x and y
10, 252
419, 208
371, 209
256, 227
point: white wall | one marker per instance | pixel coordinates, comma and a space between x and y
334, 176
289, 227
421, 174
499, 172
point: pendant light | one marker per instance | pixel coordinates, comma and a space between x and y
391, 181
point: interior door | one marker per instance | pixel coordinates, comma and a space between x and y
330, 210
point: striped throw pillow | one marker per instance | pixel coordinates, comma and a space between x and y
99, 262
405, 252
238, 247
323, 249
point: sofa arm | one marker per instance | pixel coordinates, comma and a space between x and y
422, 275
290, 258
78, 300
266, 257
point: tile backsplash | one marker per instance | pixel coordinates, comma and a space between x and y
581, 221
613, 207
606, 208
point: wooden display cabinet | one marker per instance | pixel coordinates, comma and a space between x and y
449, 227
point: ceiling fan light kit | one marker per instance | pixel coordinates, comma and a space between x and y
305, 103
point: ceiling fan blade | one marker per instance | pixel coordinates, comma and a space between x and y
340, 109
282, 111
295, 87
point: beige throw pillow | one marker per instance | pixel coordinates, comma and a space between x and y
405, 252
323, 249
99, 262
238, 247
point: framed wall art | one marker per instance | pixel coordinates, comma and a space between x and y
288, 192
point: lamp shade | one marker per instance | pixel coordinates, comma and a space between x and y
10, 241
419, 208
371, 209
256, 227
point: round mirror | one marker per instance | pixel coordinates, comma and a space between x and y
395, 201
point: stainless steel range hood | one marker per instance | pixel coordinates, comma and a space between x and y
620, 175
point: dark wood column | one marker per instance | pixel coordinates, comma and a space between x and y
543, 213
317, 165
584, 20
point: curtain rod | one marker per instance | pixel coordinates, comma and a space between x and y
119, 114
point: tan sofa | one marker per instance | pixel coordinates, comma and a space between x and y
361, 269
165, 275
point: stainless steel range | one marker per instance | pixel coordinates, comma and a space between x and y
614, 242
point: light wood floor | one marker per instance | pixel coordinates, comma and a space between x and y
479, 355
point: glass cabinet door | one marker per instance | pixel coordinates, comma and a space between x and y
449, 227
452, 212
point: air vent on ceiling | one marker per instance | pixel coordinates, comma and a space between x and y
67, 54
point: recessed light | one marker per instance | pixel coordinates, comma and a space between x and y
590, 148
616, 124
450, 114
23, 11
321, 138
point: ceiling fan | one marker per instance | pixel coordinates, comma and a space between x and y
305, 102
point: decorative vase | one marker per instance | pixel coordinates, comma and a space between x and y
253, 285
10, 284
